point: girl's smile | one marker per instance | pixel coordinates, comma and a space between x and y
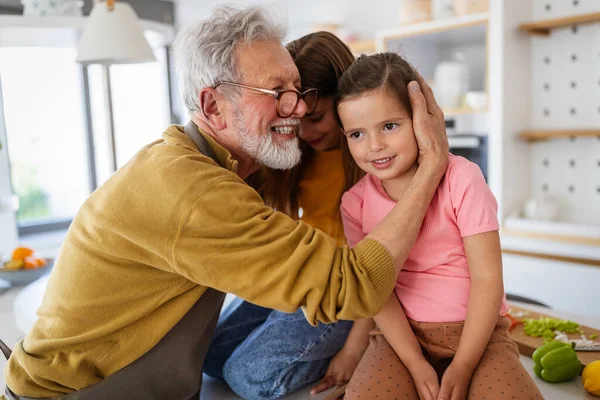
383, 163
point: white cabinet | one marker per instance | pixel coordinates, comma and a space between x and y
561, 285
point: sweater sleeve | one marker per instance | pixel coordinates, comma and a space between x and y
229, 240
351, 210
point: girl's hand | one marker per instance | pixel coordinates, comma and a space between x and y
340, 370
425, 378
455, 382
429, 125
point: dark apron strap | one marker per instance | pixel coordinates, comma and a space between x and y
191, 130
173, 368
5, 349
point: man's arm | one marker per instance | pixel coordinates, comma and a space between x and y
398, 231
229, 240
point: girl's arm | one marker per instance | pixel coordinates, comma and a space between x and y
397, 331
358, 338
485, 297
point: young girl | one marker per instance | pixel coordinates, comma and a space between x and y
442, 334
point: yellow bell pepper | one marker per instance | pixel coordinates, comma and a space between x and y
591, 378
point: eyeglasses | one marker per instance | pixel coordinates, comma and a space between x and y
287, 100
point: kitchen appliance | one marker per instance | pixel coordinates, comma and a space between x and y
472, 147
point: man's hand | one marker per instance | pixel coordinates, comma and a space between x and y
455, 382
429, 126
341, 368
425, 378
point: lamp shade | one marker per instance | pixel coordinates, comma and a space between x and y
113, 37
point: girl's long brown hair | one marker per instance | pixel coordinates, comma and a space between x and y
321, 58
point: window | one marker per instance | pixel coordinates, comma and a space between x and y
44, 117
141, 105
47, 97
139, 95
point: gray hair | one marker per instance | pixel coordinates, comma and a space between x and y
204, 53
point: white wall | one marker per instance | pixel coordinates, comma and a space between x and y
516, 70
362, 17
8, 230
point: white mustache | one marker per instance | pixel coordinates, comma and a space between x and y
285, 122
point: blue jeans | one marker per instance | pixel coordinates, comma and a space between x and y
266, 354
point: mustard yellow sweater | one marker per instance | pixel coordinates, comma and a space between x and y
144, 247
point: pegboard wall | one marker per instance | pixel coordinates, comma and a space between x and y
566, 95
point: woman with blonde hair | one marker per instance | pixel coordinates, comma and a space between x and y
266, 354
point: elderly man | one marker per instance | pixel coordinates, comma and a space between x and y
138, 285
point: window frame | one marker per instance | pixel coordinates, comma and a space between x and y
57, 224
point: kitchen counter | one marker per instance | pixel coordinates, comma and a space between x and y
18, 307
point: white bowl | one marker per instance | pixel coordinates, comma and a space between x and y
476, 100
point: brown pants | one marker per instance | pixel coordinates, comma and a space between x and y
499, 374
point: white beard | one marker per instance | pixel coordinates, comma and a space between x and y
264, 150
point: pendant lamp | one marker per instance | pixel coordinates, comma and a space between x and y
113, 35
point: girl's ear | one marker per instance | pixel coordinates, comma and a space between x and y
211, 108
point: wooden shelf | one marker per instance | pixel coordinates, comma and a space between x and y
362, 47
587, 241
541, 135
553, 257
553, 240
544, 27
433, 27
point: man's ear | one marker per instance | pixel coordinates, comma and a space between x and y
211, 108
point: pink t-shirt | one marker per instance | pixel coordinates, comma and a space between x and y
434, 283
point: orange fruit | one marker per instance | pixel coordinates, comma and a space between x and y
30, 263
34, 262
21, 252
40, 262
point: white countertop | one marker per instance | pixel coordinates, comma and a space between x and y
17, 313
